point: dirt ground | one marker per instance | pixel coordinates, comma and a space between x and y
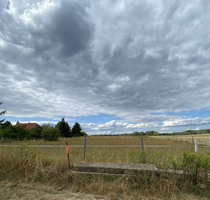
32, 191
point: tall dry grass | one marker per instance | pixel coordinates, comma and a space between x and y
49, 165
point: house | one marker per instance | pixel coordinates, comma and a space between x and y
28, 125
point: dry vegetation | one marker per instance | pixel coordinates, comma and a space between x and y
49, 166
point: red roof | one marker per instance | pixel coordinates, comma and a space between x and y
28, 125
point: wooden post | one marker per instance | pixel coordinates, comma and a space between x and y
142, 149
84, 149
192, 140
67, 153
196, 146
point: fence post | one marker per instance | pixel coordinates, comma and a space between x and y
192, 140
209, 140
196, 146
142, 149
84, 149
67, 153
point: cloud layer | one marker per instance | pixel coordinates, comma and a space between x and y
137, 60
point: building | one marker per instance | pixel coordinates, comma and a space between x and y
28, 125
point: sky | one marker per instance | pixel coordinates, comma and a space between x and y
114, 66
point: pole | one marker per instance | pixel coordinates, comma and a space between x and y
142, 149
67, 153
84, 149
196, 146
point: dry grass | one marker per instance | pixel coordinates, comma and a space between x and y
49, 165
201, 138
98, 140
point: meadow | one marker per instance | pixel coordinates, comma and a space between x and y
48, 165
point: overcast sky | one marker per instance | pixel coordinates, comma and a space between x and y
114, 66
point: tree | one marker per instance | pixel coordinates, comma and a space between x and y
64, 128
76, 130
151, 133
46, 126
6, 125
15, 132
2, 113
83, 133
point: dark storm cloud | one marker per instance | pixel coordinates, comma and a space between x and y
125, 58
66, 27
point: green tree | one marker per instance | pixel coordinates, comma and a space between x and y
151, 132
6, 125
46, 126
64, 128
15, 132
76, 130
83, 133
2, 113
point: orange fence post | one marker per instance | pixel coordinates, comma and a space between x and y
67, 153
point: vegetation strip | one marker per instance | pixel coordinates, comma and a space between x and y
91, 146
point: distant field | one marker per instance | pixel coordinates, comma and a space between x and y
99, 140
201, 138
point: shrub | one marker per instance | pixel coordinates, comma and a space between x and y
196, 166
14, 132
35, 133
51, 134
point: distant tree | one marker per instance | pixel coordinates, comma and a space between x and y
151, 133
137, 133
46, 126
76, 130
64, 128
2, 113
6, 125
83, 133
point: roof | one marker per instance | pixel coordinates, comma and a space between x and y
28, 125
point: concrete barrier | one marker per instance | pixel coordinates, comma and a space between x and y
113, 168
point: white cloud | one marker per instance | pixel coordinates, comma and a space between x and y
188, 121
91, 124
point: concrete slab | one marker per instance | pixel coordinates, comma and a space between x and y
115, 168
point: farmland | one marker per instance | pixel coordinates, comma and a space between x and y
48, 165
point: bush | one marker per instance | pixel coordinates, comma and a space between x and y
14, 132
196, 166
35, 133
51, 134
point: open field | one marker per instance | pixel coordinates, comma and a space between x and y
49, 166
95, 140
201, 138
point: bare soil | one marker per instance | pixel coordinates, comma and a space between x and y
33, 191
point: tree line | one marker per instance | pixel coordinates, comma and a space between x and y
155, 133
46, 132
